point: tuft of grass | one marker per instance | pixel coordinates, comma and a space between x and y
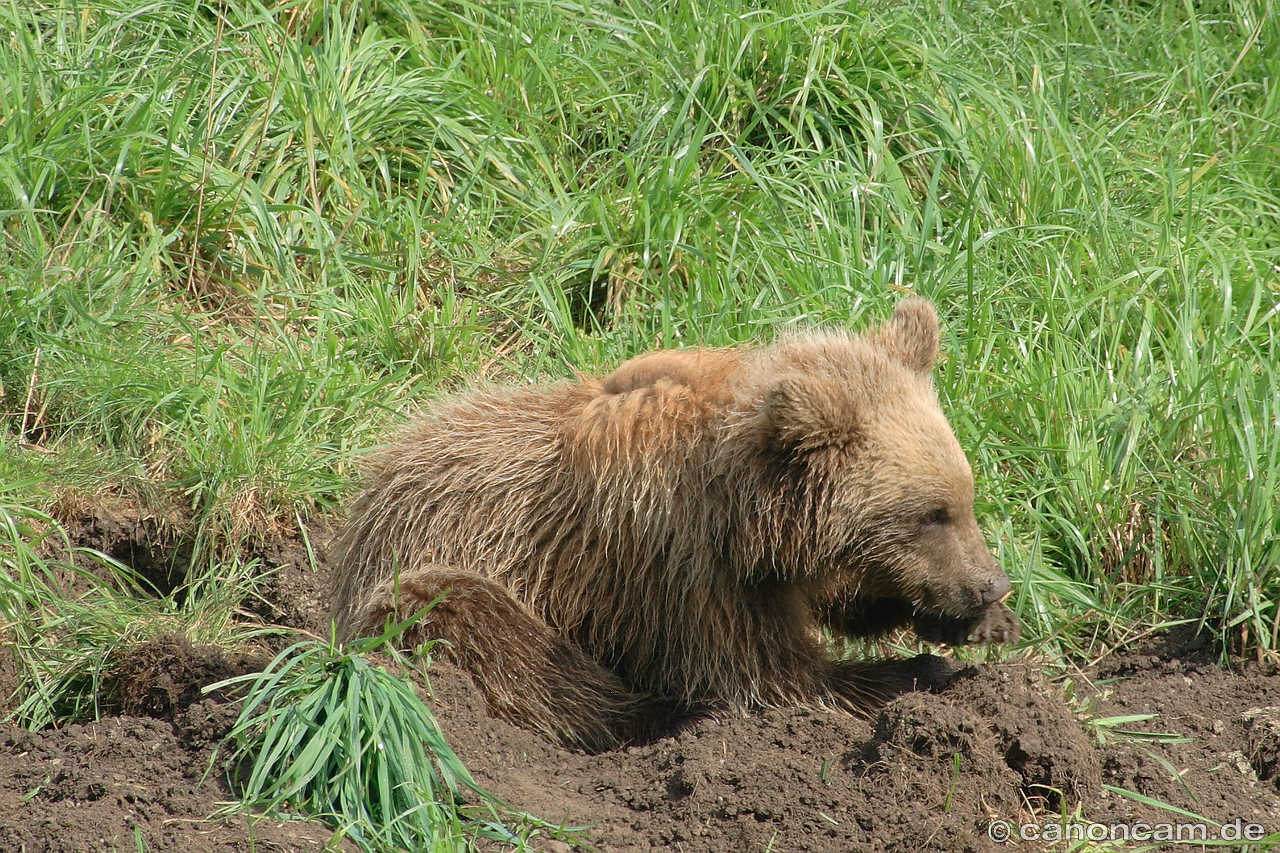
323, 733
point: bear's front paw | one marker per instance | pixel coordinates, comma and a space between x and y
996, 624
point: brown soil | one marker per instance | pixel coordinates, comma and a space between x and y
929, 773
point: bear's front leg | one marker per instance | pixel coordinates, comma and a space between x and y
527, 673
996, 624
862, 686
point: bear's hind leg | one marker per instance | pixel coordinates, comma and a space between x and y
527, 673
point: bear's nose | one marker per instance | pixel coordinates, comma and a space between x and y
996, 588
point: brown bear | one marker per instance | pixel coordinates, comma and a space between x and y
616, 556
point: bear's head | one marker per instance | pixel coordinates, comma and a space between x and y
875, 495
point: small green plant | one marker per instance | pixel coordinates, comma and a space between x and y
323, 733
955, 780
1106, 729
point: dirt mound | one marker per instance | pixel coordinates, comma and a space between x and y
929, 773
164, 676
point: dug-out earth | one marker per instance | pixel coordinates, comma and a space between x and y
1005, 748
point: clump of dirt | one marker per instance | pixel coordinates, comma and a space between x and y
995, 722
1037, 735
1262, 731
164, 676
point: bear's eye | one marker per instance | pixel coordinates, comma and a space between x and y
936, 518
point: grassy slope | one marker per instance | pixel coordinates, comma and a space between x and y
239, 240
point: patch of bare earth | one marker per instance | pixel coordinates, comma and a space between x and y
142, 779
928, 773
1224, 762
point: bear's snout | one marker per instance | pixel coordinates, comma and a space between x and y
963, 593
995, 588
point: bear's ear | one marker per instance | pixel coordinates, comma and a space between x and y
809, 411
911, 336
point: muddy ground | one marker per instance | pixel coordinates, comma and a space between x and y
1004, 746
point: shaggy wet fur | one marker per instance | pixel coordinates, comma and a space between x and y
618, 555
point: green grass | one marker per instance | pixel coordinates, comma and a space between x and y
65, 618
324, 733
240, 240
